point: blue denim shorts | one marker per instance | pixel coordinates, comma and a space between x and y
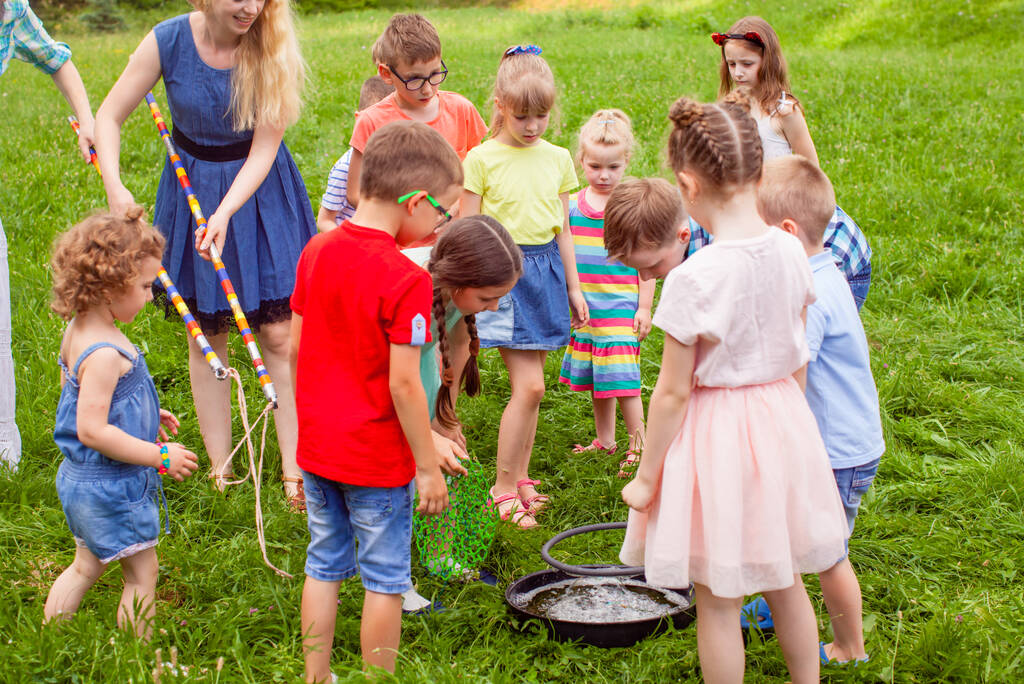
535, 314
853, 484
359, 530
111, 510
859, 285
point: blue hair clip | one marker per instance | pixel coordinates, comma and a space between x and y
523, 50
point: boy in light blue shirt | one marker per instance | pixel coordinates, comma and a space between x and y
796, 196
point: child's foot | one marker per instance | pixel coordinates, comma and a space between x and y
829, 655
294, 493
530, 498
628, 465
595, 446
511, 508
219, 481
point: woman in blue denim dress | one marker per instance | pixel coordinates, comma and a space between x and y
109, 416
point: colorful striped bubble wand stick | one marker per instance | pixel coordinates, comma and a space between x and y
225, 282
172, 293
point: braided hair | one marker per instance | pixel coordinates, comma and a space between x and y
719, 142
475, 251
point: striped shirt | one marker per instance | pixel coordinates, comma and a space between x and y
23, 37
336, 196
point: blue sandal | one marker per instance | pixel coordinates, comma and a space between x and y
825, 660
757, 615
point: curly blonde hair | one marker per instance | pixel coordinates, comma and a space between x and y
98, 258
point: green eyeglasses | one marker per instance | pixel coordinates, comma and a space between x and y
445, 215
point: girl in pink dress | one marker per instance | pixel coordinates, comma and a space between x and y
734, 492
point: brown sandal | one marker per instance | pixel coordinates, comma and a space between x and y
628, 465
219, 481
297, 501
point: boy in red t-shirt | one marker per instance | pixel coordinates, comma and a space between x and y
408, 56
364, 427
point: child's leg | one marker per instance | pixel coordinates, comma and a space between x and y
381, 629
604, 419
319, 612
138, 600
633, 414
67, 591
795, 629
212, 400
274, 340
719, 641
841, 591
519, 420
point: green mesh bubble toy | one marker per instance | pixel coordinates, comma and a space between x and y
455, 543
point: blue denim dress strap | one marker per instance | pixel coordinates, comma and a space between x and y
73, 373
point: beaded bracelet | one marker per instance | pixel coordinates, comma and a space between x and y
165, 464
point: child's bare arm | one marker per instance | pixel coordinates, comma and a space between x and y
642, 320
69, 83
355, 165
326, 219
98, 377
469, 204
794, 127
668, 407
411, 406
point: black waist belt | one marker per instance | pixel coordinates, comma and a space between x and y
211, 153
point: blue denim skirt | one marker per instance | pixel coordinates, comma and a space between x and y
535, 314
111, 510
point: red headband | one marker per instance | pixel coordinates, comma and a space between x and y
752, 36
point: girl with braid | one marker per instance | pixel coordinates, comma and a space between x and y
734, 492
473, 265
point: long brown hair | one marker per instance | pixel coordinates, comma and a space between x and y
772, 76
475, 251
524, 85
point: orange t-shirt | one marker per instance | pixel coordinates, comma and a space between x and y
457, 120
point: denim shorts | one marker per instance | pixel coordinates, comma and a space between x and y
359, 530
535, 314
859, 285
111, 510
853, 484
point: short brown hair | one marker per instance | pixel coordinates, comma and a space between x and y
408, 38
373, 91
403, 156
99, 257
641, 213
793, 187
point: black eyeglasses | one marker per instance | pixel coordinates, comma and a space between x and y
445, 214
416, 82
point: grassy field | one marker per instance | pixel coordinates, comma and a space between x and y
916, 112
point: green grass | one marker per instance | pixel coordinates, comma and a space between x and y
916, 112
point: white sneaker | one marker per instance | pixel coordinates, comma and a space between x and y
413, 602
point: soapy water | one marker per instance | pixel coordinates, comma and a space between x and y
601, 600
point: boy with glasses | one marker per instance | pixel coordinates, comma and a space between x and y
409, 51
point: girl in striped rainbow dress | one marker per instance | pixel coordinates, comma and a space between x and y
603, 357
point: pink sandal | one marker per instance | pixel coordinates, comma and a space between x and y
628, 465
594, 446
515, 513
534, 503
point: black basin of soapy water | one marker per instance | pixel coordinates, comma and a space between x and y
557, 598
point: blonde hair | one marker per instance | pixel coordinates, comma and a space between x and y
98, 258
772, 76
719, 142
403, 156
606, 127
524, 85
269, 73
793, 187
408, 38
641, 213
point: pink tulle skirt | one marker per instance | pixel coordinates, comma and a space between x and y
747, 496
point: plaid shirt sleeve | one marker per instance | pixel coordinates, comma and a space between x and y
848, 245
22, 36
698, 238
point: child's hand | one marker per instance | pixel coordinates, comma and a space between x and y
580, 313
639, 494
432, 490
216, 232
454, 434
86, 138
120, 200
642, 324
449, 453
168, 423
183, 461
